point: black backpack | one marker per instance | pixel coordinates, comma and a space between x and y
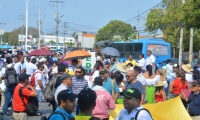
57, 112
139, 112
11, 76
32, 106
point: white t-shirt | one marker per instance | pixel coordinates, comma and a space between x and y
188, 77
54, 70
30, 68
141, 63
38, 76
18, 67
4, 70
96, 74
150, 59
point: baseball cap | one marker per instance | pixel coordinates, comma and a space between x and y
102, 71
23, 77
65, 76
107, 63
98, 81
133, 93
86, 96
175, 66
197, 82
42, 60
66, 95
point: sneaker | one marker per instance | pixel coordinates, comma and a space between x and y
39, 114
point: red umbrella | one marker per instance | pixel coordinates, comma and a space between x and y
41, 52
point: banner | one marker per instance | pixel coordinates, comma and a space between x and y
88, 63
172, 109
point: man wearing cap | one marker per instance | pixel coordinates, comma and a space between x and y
131, 60
109, 85
194, 100
66, 104
132, 98
66, 82
46, 70
87, 102
104, 101
27, 91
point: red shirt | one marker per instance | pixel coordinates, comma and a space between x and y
178, 86
17, 101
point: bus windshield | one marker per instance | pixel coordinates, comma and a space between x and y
127, 49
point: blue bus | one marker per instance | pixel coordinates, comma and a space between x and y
160, 49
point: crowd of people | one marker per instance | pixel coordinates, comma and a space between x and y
132, 83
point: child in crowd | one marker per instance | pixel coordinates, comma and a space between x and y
160, 95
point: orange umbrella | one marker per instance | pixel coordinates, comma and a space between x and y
79, 54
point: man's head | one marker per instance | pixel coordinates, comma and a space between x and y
66, 79
24, 78
33, 60
98, 81
130, 75
61, 68
80, 72
40, 66
75, 62
129, 65
132, 98
137, 70
130, 57
9, 60
168, 61
175, 67
66, 100
149, 53
28, 58
87, 100
196, 86
107, 64
103, 74
43, 60
16, 58
141, 56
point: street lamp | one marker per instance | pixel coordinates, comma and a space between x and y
27, 2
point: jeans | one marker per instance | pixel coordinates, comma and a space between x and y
54, 105
8, 95
39, 92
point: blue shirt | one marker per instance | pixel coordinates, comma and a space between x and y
138, 85
194, 103
59, 117
108, 86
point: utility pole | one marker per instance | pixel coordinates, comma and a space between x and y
191, 45
22, 17
138, 22
57, 20
65, 23
181, 42
26, 47
1, 32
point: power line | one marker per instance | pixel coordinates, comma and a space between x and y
144, 12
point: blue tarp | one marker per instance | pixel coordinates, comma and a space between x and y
5, 47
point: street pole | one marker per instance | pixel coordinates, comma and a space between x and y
65, 23
191, 45
181, 43
39, 29
1, 32
27, 2
22, 17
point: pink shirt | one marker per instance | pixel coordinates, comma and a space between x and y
104, 103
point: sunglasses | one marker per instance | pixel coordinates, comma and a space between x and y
78, 71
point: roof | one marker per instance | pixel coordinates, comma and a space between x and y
103, 43
89, 35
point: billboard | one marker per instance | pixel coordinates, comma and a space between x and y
158, 49
23, 37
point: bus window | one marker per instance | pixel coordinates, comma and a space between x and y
128, 47
138, 47
158, 49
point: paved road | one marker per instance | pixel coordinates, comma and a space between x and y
44, 108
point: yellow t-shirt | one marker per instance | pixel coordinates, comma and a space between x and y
69, 72
82, 117
133, 62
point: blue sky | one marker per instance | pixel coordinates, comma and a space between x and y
81, 15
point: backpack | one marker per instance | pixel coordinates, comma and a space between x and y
32, 106
139, 112
32, 82
57, 112
49, 91
11, 76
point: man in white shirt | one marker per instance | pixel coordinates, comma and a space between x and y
141, 63
150, 60
169, 69
31, 67
66, 82
18, 65
133, 110
73, 66
38, 81
46, 70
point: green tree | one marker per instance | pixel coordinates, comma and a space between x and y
51, 42
69, 44
116, 30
